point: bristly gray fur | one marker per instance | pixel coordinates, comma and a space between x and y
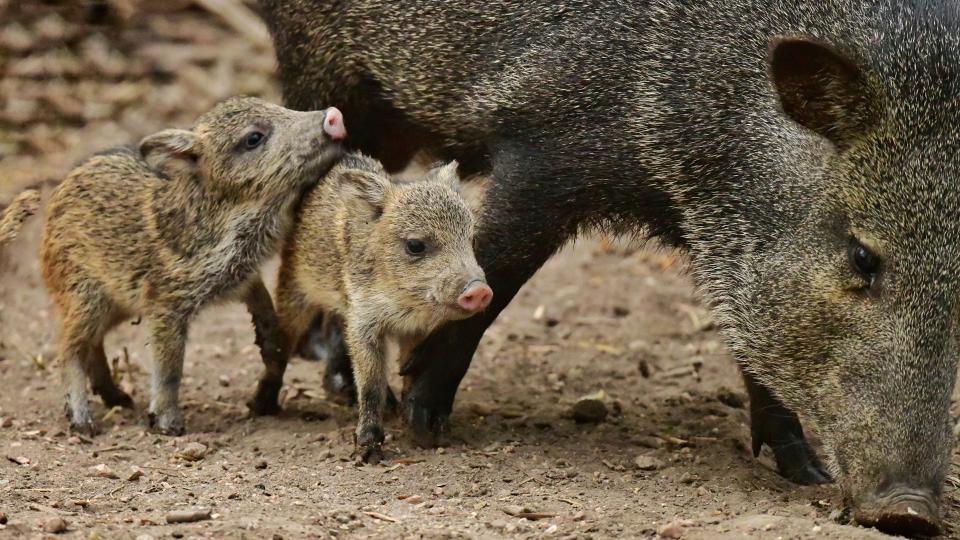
663, 114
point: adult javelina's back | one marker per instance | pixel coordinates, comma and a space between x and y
805, 154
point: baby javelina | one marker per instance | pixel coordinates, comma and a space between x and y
166, 229
394, 260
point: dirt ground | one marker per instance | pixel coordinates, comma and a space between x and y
671, 457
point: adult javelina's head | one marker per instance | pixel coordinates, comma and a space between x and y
852, 316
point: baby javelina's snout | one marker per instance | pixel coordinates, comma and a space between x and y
393, 260
476, 297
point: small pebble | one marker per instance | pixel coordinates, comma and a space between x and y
514, 509
193, 451
188, 516
498, 524
262, 464
55, 525
590, 409
135, 474
674, 529
102, 471
646, 462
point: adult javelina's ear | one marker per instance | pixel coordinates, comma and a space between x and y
823, 90
366, 188
446, 174
171, 151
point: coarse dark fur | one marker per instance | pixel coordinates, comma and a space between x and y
164, 230
771, 140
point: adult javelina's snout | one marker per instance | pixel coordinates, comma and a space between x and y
853, 316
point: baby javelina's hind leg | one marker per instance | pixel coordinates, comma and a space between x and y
98, 370
168, 336
270, 340
80, 337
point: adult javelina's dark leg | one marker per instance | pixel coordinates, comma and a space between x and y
771, 423
526, 225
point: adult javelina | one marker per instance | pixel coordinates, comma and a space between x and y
805, 154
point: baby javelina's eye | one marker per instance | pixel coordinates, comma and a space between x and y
415, 247
865, 262
253, 139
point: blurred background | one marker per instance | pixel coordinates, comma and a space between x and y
81, 76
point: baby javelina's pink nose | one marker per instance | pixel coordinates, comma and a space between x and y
475, 297
333, 124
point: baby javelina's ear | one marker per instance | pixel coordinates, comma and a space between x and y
446, 174
171, 151
368, 189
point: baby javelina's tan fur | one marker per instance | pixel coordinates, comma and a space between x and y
394, 260
166, 229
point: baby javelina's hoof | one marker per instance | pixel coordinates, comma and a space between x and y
169, 422
82, 423
265, 401
369, 444
392, 260
166, 228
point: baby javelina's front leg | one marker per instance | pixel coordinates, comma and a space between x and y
393, 260
165, 229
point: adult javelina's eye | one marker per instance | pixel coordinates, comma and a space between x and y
415, 247
253, 139
865, 262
